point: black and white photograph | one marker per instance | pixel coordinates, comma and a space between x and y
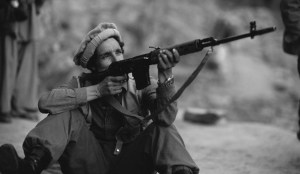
150, 87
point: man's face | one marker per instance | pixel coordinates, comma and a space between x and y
107, 52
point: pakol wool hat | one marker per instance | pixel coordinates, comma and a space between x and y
94, 38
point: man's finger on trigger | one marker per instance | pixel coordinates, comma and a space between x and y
117, 87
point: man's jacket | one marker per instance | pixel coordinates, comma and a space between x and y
290, 12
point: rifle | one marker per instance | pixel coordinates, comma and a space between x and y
139, 65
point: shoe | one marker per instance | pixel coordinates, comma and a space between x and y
9, 160
34, 163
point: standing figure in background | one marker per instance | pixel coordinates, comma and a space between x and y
9, 16
290, 12
19, 63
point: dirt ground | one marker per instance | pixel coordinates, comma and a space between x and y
225, 148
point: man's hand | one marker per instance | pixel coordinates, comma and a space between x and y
111, 85
166, 61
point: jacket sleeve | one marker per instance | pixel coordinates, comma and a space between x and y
63, 98
290, 12
156, 97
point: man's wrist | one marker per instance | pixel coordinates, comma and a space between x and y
164, 75
93, 92
166, 83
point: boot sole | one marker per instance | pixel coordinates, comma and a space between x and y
8, 159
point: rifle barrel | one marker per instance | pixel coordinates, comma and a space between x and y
250, 34
131, 64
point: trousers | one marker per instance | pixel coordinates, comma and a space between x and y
18, 77
298, 67
8, 71
25, 99
68, 138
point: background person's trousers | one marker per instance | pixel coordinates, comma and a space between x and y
70, 141
25, 99
298, 67
8, 71
18, 77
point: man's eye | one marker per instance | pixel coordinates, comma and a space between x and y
118, 52
105, 56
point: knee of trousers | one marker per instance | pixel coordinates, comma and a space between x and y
162, 135
168, 149
55, 132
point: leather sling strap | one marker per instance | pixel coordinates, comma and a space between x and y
115, 104
183, 87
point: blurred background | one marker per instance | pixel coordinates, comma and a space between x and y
247, 80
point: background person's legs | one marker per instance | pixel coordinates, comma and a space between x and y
25, 98
298, 67
8, 69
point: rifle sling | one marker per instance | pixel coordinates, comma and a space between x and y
115, 104
183, 87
